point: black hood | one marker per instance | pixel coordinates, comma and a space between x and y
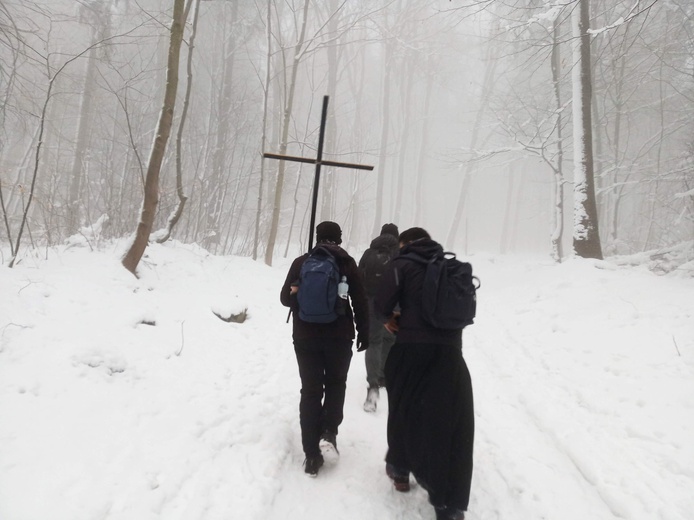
424, 247
385, 241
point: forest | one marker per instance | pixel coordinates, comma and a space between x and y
563, 127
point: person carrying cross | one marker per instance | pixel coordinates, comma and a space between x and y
323, 331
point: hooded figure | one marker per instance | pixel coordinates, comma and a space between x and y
430, 407
373, 265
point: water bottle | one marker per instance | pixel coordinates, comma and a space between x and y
342, 288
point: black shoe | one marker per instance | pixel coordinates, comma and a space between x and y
313, 464
401, 479
328, 443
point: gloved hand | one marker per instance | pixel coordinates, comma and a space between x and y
362, 344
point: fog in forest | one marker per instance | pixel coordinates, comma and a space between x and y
470, 113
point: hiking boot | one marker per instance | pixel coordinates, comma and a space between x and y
328, 443
449, 513
312, 464
401, 479
371, 399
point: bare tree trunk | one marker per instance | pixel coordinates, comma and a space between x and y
328, 179
151, 196
266, 95
406, 85
6, 221
487, 88
655, 184
279, 184
508, 211
586, 237
356, 75
176, 215
39, 144
200, 215
296, 204
82, 143
423, 146
220, 162
295, 208
615, 194
558, 213
385, 126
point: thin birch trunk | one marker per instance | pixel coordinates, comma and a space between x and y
558, 169
176, 215
385, 127
279, 184
266, 95
149, 206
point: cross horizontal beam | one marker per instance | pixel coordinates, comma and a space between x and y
318, 161
314, 161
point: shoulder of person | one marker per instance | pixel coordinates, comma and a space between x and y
342, 256
346, 257
298, 261
384, 242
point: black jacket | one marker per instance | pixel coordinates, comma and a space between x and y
343, 327
402, 285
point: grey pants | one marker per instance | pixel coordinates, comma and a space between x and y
380, 342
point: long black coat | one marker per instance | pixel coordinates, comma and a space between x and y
430, 404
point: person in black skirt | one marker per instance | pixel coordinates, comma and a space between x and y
430, 416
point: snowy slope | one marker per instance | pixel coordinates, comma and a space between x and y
129, 399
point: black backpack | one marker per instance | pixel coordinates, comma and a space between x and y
318, 279
449, 292
373, 266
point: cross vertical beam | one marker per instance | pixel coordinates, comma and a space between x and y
318, 161
316, 176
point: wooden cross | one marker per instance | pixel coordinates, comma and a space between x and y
318, 161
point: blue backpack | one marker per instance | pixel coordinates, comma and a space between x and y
318, 279
449, 292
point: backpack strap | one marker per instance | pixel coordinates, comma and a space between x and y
322, 250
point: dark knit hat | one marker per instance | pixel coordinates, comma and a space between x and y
328, 232
390, 229
412, 234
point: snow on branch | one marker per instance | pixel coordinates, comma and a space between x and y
633, 13
481, 155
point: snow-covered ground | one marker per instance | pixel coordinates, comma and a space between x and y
128, 399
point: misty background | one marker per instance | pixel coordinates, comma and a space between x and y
464, 108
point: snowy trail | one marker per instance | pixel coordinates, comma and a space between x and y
568, 407
355, 486
584, 408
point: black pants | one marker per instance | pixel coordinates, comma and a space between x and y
430, 419
323, 367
